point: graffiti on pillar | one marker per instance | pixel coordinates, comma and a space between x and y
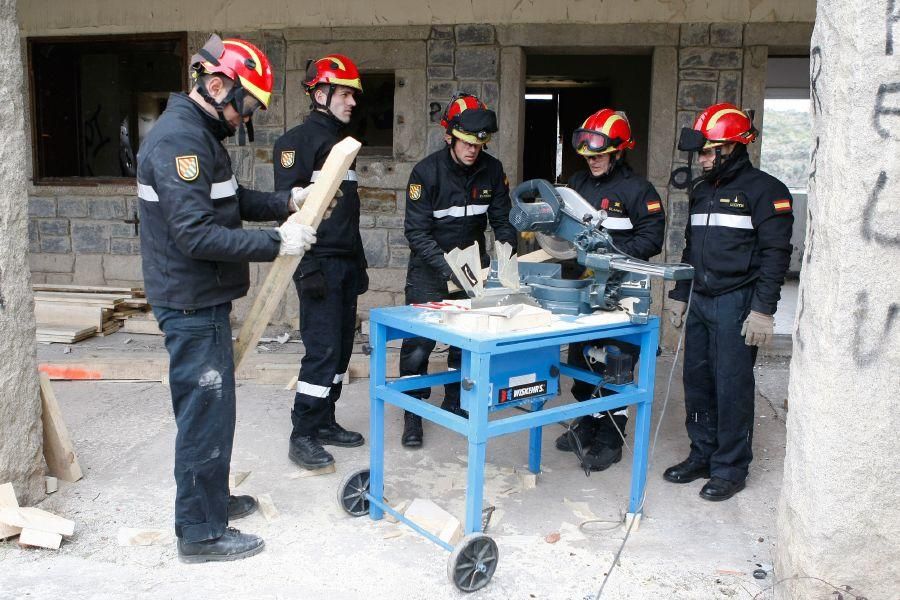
815, 71
814, 161
811, 238
2, 299
870, 224
893, 18
887, 104
801, 306
865, 353
434, 112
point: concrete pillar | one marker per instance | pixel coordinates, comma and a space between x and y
837, 516
20, 408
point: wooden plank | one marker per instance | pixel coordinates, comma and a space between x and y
141, 326
35, 518
538, 256
52, 315
40, 539
272, 290
8, 500
267, 507
86, 289
58, 449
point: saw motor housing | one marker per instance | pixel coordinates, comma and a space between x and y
567, 226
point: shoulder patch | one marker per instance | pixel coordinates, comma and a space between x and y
654, 206
287, 158
188, 167
415, 191
782, 205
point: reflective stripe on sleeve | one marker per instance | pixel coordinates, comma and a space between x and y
721, 220
351, 176
617, 223
224, 189
461, 211
146, 192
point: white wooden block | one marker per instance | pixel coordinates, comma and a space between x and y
129, 536
51, 484
235, 478
303, 473
35, 518
8, 499
267, 507
527, 479
41, 539
434, 519
400, 507
629, 518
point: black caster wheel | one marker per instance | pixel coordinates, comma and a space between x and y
352, 493
473, 562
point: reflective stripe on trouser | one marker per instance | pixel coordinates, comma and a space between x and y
718, 383
201, 381
424, 285
607, 430
327, 327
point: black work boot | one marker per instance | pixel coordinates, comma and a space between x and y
718, 489
584, 428
686, 471
452, 405
240, 506
306, 452
233, 545
412, 430
330, 433
600, 457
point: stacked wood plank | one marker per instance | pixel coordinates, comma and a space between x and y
70, 313
35, 527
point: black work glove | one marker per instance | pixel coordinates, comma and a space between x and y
362, 285
313, 285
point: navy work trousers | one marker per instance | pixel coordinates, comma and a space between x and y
327, 328
719, 388
201, 380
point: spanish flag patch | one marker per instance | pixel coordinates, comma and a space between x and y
782, 205
654, 206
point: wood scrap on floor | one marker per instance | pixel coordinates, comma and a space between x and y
8, 500
267, 507
58, 450
130, 536
28, 517
235, 478
70, 313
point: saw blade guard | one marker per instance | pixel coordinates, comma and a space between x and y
535, 206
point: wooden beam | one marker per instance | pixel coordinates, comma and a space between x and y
58, 451
40, 539
271, 293
8, 500
35, 518
538, 256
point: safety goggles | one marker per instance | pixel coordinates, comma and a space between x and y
249, 105
592, 142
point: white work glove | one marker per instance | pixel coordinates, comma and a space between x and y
758, 329
675, 310
296, 238
300, 194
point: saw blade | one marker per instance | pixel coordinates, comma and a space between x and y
556, 247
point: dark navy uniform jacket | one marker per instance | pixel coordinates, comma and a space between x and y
448, 206
297, 158
635, 219
739, 233
194, 250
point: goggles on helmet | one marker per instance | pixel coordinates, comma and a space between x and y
593, 142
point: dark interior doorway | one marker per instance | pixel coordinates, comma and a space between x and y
563, 90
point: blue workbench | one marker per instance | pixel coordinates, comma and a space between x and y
492, 366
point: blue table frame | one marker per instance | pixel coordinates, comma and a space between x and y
477, 350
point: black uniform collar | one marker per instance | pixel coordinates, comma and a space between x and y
326, 120
734, 167
183, 104
620, 170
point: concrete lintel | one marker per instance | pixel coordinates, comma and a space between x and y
404, 32
539, 35
367, 54
781, 37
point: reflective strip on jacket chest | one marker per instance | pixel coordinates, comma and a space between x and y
617, 223
146, 192
722, 220
224, 189
351, 176
461, 211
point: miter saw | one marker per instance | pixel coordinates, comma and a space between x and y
567, 227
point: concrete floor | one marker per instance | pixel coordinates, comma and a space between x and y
124, 433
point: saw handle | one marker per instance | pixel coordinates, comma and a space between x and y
530, 214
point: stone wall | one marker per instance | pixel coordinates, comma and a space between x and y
21, 460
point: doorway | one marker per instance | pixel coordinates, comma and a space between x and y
561, 91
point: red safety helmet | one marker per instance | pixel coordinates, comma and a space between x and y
723, 123
469, 119
603, 132
334, 69
240, 61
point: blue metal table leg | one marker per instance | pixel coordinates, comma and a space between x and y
377, 375
646, 378
534, 443
476, 376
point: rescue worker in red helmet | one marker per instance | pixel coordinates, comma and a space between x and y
332, 274
636, 222
452, 195
738, 239
195, 257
